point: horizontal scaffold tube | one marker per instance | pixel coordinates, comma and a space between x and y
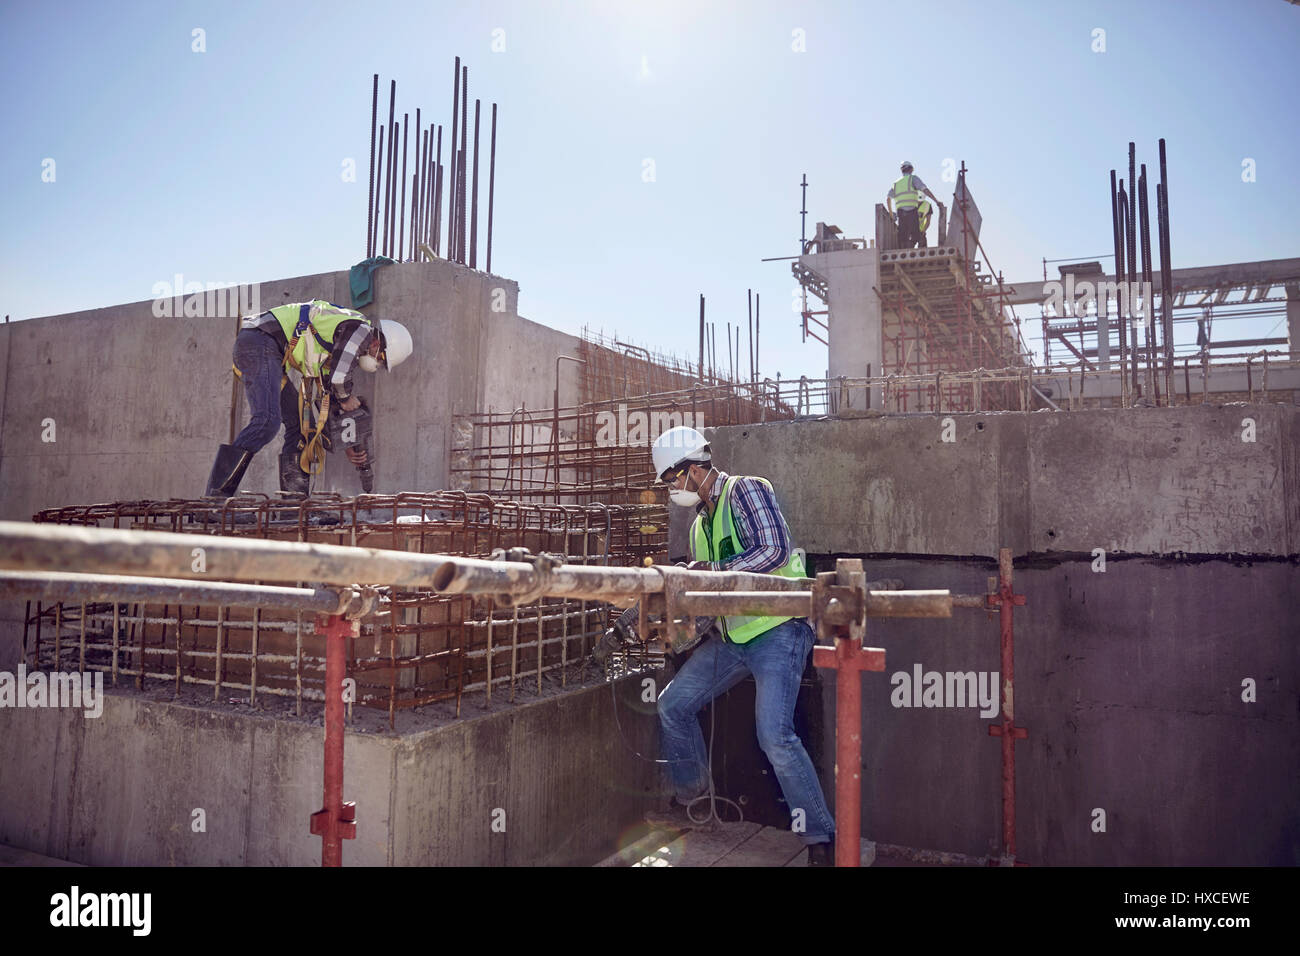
38, 547
117, 588
887, 603
473, 576
42, 547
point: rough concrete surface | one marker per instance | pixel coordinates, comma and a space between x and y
556, 774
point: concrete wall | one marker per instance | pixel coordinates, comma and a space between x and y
121, 789
140, 403
1135, 481
1129, 681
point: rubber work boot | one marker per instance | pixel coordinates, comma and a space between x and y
822, 854
294, 482
227, 471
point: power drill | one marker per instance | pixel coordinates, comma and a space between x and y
622, 631
358, 449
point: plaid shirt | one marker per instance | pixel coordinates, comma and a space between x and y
759, 525
350, 339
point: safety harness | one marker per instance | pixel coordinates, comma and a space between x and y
316, 441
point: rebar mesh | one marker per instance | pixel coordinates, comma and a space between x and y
427, 648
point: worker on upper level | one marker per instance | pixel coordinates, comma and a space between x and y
907, 193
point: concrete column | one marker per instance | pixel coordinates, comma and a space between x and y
855, 345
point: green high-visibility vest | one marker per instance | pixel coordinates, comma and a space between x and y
312, 324
717, 541
905, 197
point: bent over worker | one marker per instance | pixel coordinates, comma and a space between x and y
738, 527
323, 342
907, 193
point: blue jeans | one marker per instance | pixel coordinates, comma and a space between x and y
776, 659
260, 361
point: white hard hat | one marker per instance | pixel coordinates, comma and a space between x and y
395, 347
907, 164
678, 445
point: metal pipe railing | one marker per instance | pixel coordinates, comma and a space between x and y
516, 579
35, 547
89, 588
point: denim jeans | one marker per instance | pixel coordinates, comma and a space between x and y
260, 361
776, 659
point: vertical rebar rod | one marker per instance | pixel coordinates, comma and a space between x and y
370, 189
491, 622
379, 182
461, 185
514, 653
392, 110
803, 215
492, 180
390, 203
221, 635
1119, 272
253, 647
701, 375
418, 193
473, 216
1166, 268
137, 613
750, 297
117, 633
758, 329
437, 197
415, 251
1132, 250
1126, 298
401, 227
297, 664
425, 233
455, 125
1148, 307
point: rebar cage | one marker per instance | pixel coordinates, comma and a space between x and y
426, 648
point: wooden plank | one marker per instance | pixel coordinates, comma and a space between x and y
701, 847
768, 847
666, 847
639, 848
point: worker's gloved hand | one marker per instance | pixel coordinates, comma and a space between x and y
705, 627
699, 566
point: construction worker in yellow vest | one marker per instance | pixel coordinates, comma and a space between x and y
738, 527
323, 343
906, 192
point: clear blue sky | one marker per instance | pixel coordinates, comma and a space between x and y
225, 165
